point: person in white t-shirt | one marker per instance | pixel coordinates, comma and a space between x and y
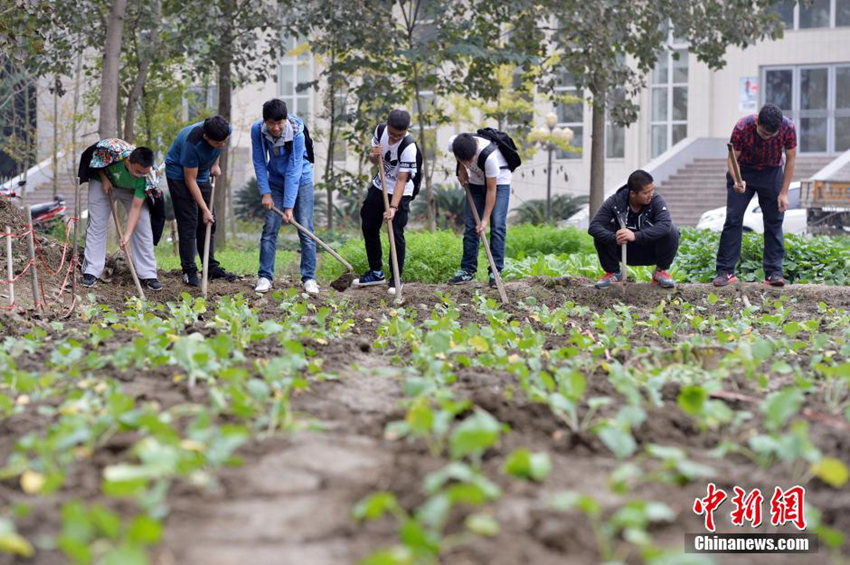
399, 152
491, 191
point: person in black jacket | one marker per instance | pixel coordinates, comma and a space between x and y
649, 233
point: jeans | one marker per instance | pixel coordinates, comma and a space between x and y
191, 230
659, 252
498, 227
767, 184
100, 214
303, 214
372, 221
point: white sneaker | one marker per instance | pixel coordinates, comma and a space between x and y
391, 290
263, 285
311, 286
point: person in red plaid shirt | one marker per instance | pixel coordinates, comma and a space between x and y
758, 143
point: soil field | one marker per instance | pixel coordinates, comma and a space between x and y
290, 496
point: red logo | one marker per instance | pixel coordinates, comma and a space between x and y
785, 506
709, 504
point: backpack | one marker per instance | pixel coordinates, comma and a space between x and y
501, 141
308, 144
408, 139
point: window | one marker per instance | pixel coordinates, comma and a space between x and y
570, 114
814, 14
817, 98
668, 101
615, 136
296, 71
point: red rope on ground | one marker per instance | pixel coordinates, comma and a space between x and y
30, 263
65, 247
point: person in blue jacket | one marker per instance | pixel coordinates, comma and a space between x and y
285, 180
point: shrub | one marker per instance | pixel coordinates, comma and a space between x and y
562, 207
430, 258
526, 240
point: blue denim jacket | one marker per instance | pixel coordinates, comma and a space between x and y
289, 169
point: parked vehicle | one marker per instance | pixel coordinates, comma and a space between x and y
794, 222
45, 215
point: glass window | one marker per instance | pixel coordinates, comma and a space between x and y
814, 15
842, 88
296, 72
660, 72
680, 103
669, 102
779, 87
680, 132
842, 134
785, 10
680, 67
659, 104
813, 89
615, 142
813, 135
842, 12
570, 115
658, 136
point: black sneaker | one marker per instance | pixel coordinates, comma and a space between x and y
369, 278
152, 284
491, 280
220, 273
88, 280
461, 277
723, 279
191, 279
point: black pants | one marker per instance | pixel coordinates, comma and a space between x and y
372, 220
660, 252
191, 229
767, 184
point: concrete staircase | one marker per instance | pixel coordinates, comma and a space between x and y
701, 186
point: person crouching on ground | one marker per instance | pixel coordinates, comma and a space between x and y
118, 170
649, 233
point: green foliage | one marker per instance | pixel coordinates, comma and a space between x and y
450, 202
526, 240
562, 207
808, 259
430, 257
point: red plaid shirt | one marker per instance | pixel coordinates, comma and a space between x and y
761, 153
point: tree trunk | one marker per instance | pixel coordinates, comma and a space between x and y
329, 163
597, 154
55, 150
78, 73
146, 54
225, 87
423, 145
108, 123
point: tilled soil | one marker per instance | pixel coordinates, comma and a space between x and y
290, 503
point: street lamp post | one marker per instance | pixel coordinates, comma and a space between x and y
547, 137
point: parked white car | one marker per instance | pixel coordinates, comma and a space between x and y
794, 222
